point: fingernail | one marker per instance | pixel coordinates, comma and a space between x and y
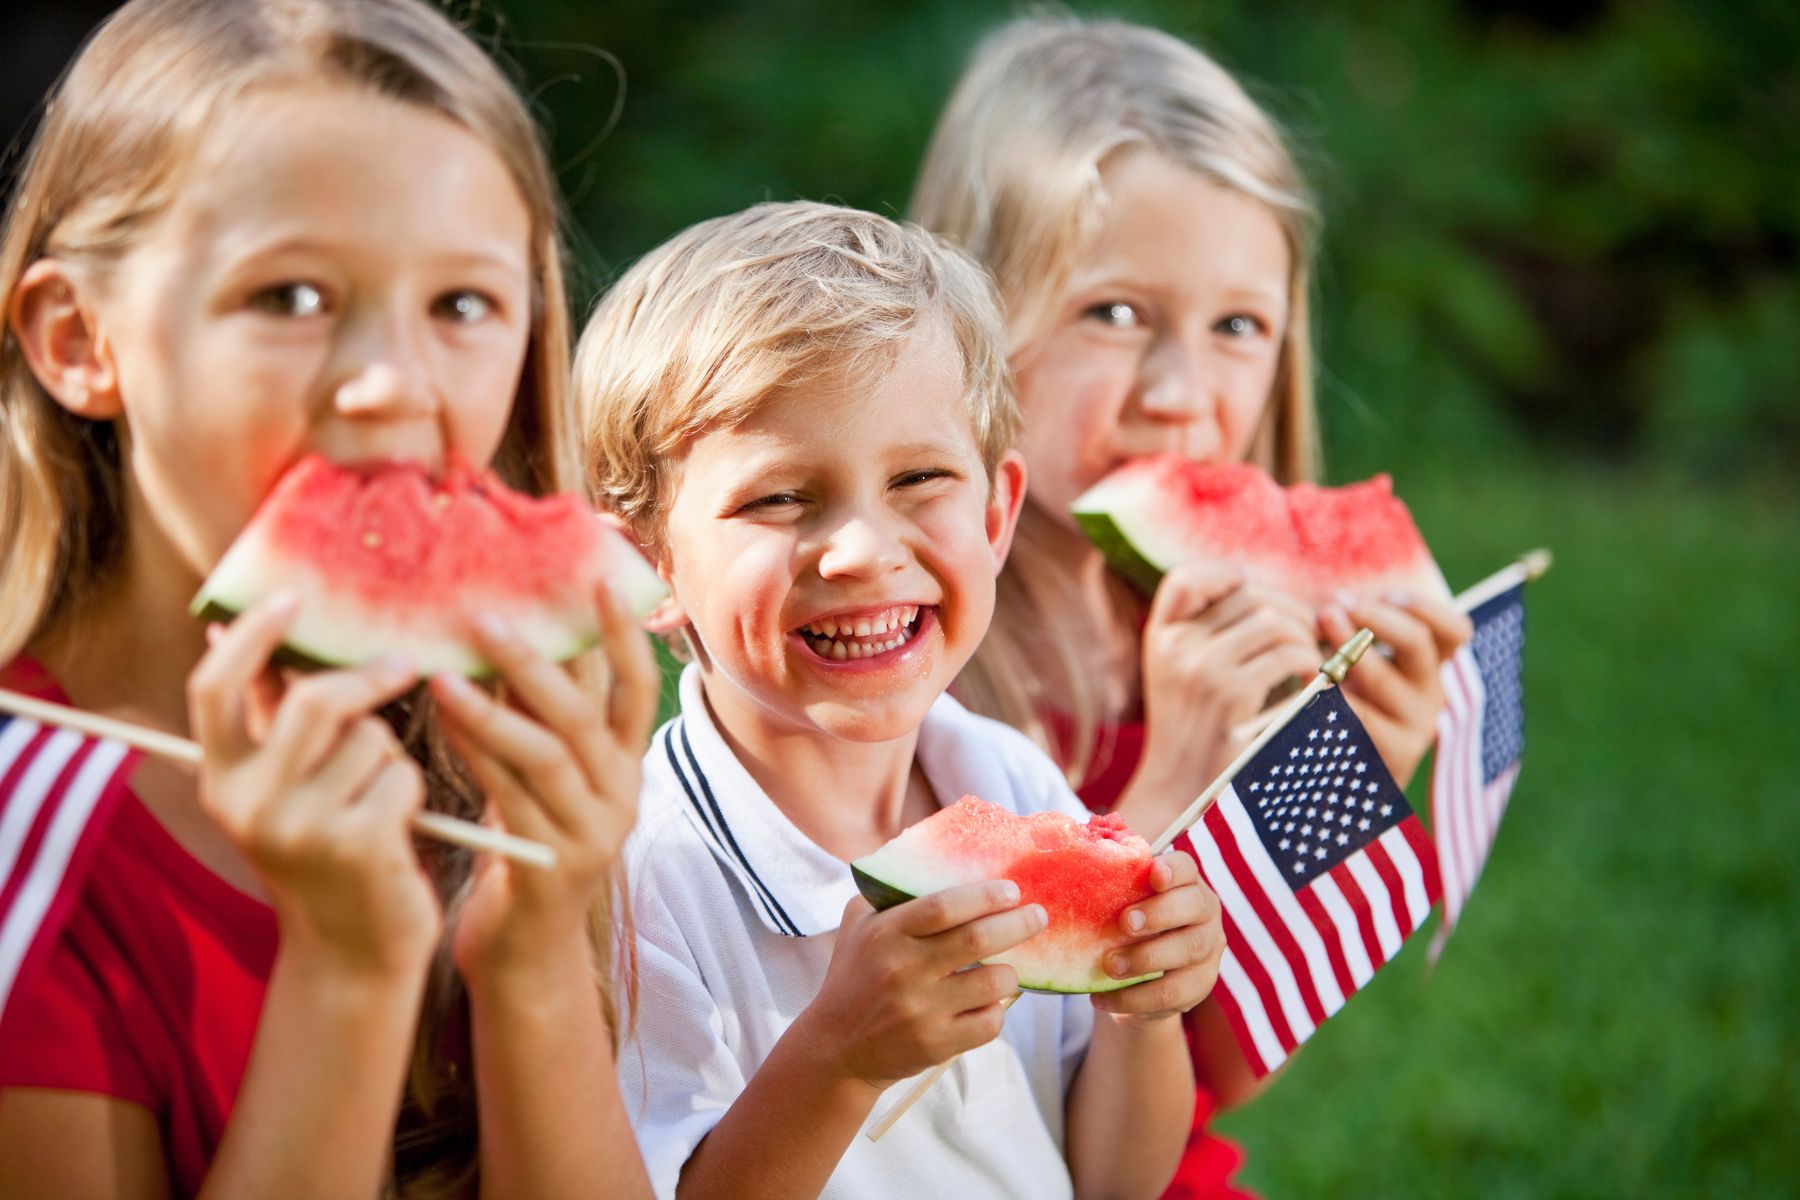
1118, 966
457, 687
1344, 599
493, 628
283, 601
395, 667
1134, 920
1040, 916
1009, 892
1399, 599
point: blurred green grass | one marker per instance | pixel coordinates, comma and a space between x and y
1616, 1014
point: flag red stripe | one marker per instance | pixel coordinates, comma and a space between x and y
1396, 887
1426, 853
1272, 921
1266, 999
1365, 919
1328, 933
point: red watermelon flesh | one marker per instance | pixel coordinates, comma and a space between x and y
1307, 540
389, 559
1083, 874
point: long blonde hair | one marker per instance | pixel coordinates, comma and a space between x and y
119, 130
1014, 173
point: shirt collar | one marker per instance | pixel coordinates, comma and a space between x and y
797, 887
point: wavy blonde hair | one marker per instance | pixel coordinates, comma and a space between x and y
120, 129
708, 326
1014, 173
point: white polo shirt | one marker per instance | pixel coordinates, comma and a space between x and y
736, 913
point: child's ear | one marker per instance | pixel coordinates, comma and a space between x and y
668, 616
59, 334
1005, 496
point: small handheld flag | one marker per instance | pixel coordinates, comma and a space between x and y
58, 789
1481, 738
1323, 871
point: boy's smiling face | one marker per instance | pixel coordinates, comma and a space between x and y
835, 554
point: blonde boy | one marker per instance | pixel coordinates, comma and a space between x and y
804, 413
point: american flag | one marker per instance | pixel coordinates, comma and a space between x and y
1323, 871
57, 790
1481, 735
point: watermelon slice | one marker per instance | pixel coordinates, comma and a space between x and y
390, 560
1083, 875
1306, 540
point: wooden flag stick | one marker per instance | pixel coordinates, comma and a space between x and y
1529, 566
182, 750
1330, 673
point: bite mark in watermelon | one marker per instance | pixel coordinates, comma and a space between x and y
1084, 875
388, 560
1306, 540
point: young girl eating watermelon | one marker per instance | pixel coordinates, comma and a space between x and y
803, 412
1151, 238
249, 232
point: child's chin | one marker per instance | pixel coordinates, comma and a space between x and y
872, 721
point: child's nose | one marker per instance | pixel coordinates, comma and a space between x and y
1176, 382
389, 374
861, 547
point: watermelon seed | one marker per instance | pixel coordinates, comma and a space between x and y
371, 539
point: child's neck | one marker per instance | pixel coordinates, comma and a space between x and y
848, 797
128, 649
1114, 660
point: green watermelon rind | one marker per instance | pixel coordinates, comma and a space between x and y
883, 895
1121, 552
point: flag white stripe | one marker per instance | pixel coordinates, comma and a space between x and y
1456, 792
1280, 894
1250, 1008
1256, 939
45, 874
1387, 934
1412, 876
1356, 955
1469, 807
27, 798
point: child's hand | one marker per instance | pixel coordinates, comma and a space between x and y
1214, 647
897, 998
1183, 937
317, 794
559, 767
1399, 698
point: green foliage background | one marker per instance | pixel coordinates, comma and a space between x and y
1556, 300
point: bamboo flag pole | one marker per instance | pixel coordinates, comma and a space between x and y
1331, 673
182, 750
1529, 566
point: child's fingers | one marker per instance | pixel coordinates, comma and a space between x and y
1175, 991
631, 707
526, 749
1450, 628
933, 914
505, 792
315, 711
1266, 630
978, 987
555, 701
359, 755
226, 672
987, 935
1190, 589
1192, 942
1406, 636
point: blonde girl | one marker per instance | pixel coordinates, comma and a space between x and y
251, 230
1151, 239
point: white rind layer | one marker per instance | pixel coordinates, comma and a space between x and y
332, 627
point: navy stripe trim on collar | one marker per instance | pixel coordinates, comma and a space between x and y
714, 821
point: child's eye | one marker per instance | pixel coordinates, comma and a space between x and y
1241, 325
915, 478
466, 307
773, 500
1115, 314
290, 300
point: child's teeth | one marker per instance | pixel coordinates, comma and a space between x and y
837, 650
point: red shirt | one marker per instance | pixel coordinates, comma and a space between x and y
151, 990
1209, 1161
